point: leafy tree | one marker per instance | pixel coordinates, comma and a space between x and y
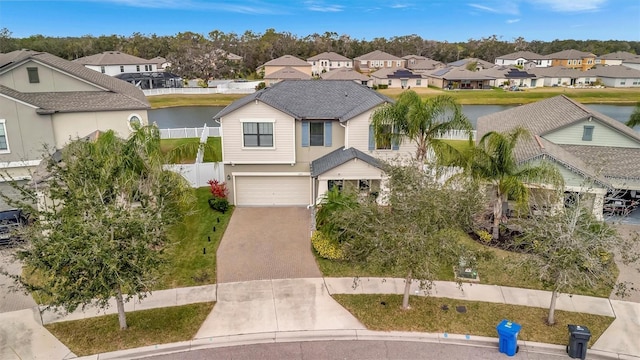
570, 249
420, 122
494, 161
416, 234
100, 231
634, 119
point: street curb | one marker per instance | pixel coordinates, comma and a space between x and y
339, 335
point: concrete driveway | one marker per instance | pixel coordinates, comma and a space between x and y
11, 300
267, 243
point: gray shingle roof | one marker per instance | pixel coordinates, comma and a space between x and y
117, 95
338, 157
556, 71
614, 71
331, 56
315, 99
344, 74
614, 162
112, 58
394, 73
464, 62
618, 55
424, 64
528, 55
378, 55
286, 60
545, 116
570, 54
458, 73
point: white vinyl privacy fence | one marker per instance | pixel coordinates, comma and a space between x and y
180, 133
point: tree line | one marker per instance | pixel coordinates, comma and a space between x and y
195, 54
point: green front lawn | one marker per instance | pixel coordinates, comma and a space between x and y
146, 327
213, 152
187, 265
480, 319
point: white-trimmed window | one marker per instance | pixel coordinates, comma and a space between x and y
102, 69
257, 134
4, 142
134, 121
121, 68
32, 72
138, 68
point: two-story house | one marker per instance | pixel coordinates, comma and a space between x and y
595, 154
615, 58
115, 62
398, 78
328, 61
520, 58
376, 60
48, 100
290, 143
472, 64
573, 59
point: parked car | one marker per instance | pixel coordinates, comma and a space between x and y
10, 221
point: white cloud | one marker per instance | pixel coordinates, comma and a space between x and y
512, 21
255, 8
497, 7
399, 6
320, 6
571, 6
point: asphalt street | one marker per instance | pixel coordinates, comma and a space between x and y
353, 350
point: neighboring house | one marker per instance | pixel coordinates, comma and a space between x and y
420, 64
511, 76
398, 78
615, 76
376, 60
286, 73
286, 61
615, 58
561, 76
161, 63
347, 74
286, 145
48, 100
328, 61
115, 62
573, 59
154, 80
633, 63
452, 78
520, 58
594, 153
479, 64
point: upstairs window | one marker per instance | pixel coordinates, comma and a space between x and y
587, 133
383, 141
257, 134
4, 144
121, 68
138, 68
102, 69
316, 133
33, 75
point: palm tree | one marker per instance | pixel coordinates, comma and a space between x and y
419, 121
634, 119
493, 160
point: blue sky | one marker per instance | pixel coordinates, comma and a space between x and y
443, 20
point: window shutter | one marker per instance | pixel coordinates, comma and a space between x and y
395, 144
327, 133
372, 139
305, 134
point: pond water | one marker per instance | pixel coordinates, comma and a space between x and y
197, 116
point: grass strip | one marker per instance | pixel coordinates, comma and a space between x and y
146, 327
188, 265
480, 319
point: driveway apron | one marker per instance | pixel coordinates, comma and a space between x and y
267, 243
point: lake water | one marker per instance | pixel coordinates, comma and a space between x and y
197, 116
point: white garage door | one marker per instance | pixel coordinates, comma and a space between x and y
272, 190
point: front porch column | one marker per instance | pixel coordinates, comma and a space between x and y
598, 204
323, 187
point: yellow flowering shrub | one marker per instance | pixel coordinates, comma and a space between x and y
326, 247
484, 235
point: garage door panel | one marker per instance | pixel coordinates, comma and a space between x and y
272, 190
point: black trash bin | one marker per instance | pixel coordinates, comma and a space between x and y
578, 339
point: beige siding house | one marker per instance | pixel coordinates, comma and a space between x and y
286, 145
595, 154
328, 61
376, 60
46, 100
285, 62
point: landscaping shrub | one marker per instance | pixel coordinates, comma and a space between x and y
326, 247
219, 204
484, 235
383, 86
218, 189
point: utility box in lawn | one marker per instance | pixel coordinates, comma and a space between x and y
508, 337
579, 337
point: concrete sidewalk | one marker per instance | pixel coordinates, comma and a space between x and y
263, 311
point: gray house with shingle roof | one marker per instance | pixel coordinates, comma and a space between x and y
593, 152
286, 145
115, 62
48, 100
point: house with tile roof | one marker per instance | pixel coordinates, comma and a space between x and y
618, 76
328, 61
377, 60
594, 153
398, 78
286, 145
48, 100
115, 62
347, 74
288, 62
573, 59
520, 58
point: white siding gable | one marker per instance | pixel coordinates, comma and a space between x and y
233, 151
603, 135
357, 134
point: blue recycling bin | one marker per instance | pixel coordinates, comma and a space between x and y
508, 337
